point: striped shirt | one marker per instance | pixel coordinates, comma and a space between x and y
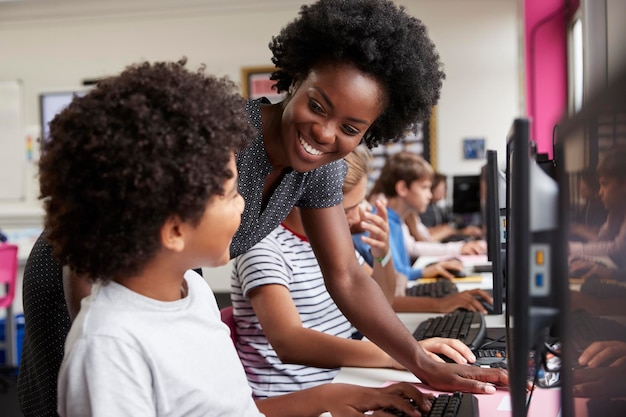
282, 258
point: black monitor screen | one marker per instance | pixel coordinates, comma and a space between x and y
493, 225
466, 194
533, 286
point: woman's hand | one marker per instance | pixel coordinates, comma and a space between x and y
454, 377
452, 348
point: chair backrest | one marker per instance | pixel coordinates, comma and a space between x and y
228, 318
8, 272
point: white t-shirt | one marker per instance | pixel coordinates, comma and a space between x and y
130, 355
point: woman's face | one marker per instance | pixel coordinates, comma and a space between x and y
327, 115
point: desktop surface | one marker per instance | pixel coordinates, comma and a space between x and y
545, 401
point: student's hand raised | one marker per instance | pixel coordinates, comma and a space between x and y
378, 227
452, 348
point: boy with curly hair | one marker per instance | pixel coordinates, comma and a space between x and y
140, 185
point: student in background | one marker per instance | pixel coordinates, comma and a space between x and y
374, 229
417, 238
138, 136
588, 218
285, 317
436, 218
405, 182
611, 239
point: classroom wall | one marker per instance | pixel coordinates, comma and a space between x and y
54, 46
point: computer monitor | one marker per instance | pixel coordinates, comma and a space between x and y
584, 141
533, 268
51, 104
494, 215
466, 199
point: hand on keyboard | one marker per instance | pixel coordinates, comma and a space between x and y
447, 405
470, 300
452, 350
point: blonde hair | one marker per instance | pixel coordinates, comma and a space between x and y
358, 167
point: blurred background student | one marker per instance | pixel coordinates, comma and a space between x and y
437, 218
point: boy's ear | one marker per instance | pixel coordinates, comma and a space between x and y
401, 188
172, 234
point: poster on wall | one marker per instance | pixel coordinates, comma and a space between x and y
256, 83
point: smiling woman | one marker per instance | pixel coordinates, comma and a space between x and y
346, 82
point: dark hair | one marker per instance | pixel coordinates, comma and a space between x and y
613, 165
381, 40
150, 143
402, 166
438, 178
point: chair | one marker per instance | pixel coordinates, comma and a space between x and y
229, 319
8, 278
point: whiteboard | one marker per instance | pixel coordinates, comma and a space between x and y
12, 145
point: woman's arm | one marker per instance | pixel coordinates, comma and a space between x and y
364, 304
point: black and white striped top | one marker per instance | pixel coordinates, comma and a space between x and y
282, 258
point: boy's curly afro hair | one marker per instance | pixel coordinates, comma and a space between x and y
150, 143
380, 39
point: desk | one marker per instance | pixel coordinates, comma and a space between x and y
545, 402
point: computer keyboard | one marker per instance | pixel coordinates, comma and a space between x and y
587, 328
436, 289
603, 289
467, 326
457, 404
489, 357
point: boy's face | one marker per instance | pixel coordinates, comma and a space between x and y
419, 195
221, 219
440, 191
612, 192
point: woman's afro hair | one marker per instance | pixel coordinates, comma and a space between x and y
380, 39
140, 147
